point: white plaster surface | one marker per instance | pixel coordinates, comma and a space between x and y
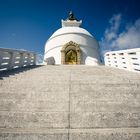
88, 44
128, 59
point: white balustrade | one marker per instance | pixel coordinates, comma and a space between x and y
11, 58
124, 59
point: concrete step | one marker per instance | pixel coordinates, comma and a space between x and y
70, 103
71, 134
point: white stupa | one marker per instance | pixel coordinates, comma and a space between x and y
71, 44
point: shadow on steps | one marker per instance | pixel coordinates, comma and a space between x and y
7, 73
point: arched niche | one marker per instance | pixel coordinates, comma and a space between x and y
71, 53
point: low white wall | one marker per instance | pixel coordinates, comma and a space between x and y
10, 59
124, 59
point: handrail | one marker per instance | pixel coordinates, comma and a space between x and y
128, 59
13, 58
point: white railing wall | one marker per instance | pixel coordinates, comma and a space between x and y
124, 59
11, 58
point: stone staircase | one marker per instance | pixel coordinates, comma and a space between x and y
70, 103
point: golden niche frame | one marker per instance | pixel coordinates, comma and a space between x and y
71, 53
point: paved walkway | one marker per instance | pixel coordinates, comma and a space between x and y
70, 103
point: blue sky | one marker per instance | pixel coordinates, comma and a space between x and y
27, 24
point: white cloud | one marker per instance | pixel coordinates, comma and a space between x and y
111, 33
129, 38
113, 40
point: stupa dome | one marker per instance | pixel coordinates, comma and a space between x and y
80, 44
68, 30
